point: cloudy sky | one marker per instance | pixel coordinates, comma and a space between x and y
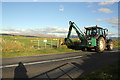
52, 17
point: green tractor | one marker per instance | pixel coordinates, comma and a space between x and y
93, 38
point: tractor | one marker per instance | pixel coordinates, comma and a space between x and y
93, 38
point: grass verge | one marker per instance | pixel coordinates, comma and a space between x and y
36, 52
110, 72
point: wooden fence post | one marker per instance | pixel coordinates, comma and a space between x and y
31, 43
57, 43
45, 44
60, 42
51, 43
38, 44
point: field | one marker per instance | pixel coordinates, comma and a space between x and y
16, 46
18, 43
116, 42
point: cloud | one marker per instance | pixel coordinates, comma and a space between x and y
105, 10
107, 2
61, 8
111, 34
114, 26
53, 31
8, 29
113, 21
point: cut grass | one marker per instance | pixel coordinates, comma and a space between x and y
37, 52
110, 72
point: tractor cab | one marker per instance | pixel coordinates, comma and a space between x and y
95, 32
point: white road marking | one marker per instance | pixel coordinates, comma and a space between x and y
14, 65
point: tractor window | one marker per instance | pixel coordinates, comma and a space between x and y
91, 32
101, 32
98, 31
94, 31
87, 32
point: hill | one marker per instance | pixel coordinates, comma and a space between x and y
27, 35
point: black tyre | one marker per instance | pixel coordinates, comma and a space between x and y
101, 45
88, 49
83, 49
109, 44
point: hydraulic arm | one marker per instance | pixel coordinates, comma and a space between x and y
80, 34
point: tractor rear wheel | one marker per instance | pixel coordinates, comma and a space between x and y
100, 45
110, 45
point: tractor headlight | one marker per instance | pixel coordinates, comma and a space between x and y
89, 43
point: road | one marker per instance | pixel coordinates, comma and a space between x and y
65, 65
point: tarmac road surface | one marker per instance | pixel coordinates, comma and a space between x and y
57, 66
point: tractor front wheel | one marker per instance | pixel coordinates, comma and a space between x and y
100, 45
89, 49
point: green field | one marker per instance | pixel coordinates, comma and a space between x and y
16, 46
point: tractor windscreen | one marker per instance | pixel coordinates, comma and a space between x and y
91, 32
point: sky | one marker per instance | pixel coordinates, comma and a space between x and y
52, 18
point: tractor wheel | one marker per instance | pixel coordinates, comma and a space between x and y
110, 45
100, 45
83, 49
88, 49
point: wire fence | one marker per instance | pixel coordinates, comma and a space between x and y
45, 43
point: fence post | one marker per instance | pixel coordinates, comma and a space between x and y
38, 44
60, 42
57, 43
51, 43
31, 43
45, 44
